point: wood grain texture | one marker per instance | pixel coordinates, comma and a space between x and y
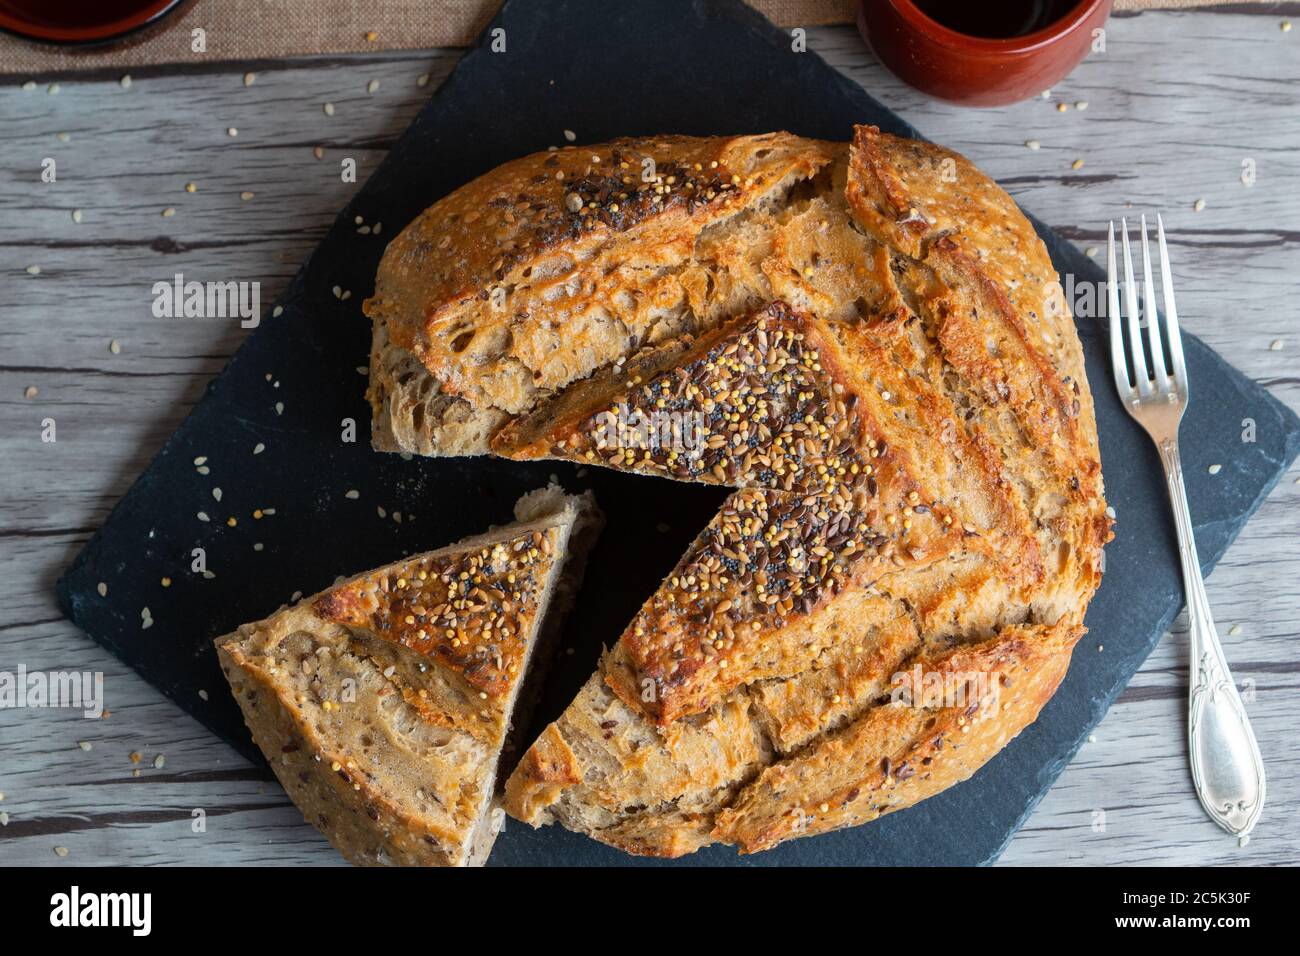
1175, 104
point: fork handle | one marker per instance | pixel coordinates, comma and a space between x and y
1227, 770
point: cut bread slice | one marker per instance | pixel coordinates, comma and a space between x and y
384, 703
764, 400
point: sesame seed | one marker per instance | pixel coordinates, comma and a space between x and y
1077, 164
201, 460
246, 195
159, 762
33, 270
203, 694
60, 851
166, 582
1215, 469
257, 546
125, 81
1198, 205
329, 109
570, 135
203, 516
232, 132
76, 215
1275, 346
85, 745
216, 493
102, 588
30, 391
168, 212
1033, 144
191, 187
422, 80
1081, 105
259, 448
318, 152
279, 408
1285, 26
1062, 107
250, 79
372, 86
1234, 630
29, 86
353, 494
115, 347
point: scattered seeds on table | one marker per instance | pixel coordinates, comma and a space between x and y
29, 86
1077, 164
1198, 205
60, 851
64, 137
422, 80
372, 86
1062, 107
102, 588
168, 212
279, 408
1275, 345
115, 347
85, 745
257, 546
203, 694
232, 131
1033, 144
159, 761
125, 81
33, 270
276, 313
30, 391
231, 522
379, 509
1285, 26
353, 494
318, 152
1234, 630
250, 79
570, 135
295, 596
203, 516
191, 188
329, 109
259, 448
76, 215
216, 493
1215, 469
246, 195
201, 460
54, 89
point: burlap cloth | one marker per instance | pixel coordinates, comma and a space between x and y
259, 29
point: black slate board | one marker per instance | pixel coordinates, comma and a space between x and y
605, 69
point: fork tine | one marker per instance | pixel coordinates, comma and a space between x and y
1171, 313
1152, 316
1141, 377
1118, 362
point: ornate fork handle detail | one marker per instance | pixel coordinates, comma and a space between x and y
1227, 769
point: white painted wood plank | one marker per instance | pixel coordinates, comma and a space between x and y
1174, 105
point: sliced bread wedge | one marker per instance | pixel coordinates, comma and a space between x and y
384, 703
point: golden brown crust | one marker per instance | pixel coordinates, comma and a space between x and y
973, 549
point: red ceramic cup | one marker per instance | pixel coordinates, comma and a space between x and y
977, 70
83, 22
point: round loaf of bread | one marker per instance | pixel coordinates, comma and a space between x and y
884, 366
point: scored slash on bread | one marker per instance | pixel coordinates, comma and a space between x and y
764, 400
383, 704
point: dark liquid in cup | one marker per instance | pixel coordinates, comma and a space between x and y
996, 19
79, 20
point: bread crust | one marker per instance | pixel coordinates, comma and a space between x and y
383, 703
755, 684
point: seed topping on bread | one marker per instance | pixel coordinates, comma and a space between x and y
470, 611
758, 402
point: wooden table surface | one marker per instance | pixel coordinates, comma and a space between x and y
1176, 107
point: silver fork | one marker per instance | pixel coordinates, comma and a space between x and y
1226, 767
